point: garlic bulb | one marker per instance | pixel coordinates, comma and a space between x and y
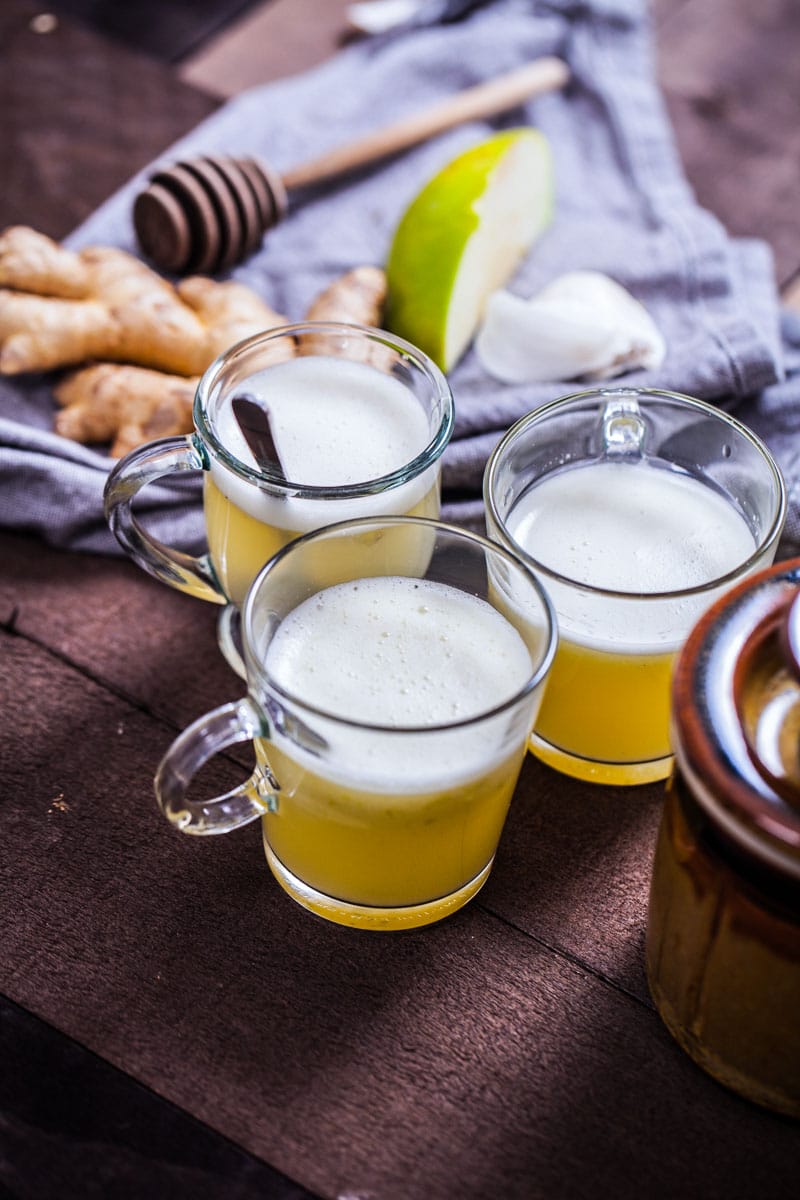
582, 325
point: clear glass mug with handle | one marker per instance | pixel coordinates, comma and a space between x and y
295, 428
635, 508
390, 708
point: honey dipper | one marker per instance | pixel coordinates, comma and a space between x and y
206, 214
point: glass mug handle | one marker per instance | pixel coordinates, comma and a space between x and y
186, 572
239, 721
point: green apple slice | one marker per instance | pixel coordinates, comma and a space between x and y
463, 236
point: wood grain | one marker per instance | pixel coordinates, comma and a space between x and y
573, 865
729, 73
138, 638
466, 1060
511, 1051
274, 40
166, 29
92, 1132
78, 117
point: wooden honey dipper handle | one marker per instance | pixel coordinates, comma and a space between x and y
209, 213
484, 100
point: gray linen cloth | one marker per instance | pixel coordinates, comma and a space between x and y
623, 207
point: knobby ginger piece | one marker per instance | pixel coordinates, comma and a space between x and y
32, 262
124, 405
232, 312
38, 333
153, 327
357, 298
130, 314
139, 342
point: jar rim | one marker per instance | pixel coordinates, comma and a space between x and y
711, 746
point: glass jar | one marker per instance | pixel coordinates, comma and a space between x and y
723, 936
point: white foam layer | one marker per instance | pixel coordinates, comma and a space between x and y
629, 527
334, 423
402, 653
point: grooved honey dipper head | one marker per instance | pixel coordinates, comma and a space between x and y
207, 214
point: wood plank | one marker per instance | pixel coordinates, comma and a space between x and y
67, 135
165, 29
729, 73
510, 1051
573, 871
118, 625
110, 1129
574, 863
466, 1060
279, 38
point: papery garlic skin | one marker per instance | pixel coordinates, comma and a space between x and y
581, 325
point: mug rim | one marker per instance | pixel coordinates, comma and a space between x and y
426, 458
537, 675
680, 400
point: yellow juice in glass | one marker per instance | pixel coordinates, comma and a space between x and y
637, 530
335, 422
395, 821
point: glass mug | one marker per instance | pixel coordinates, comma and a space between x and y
636, 509
390, 711
356, 423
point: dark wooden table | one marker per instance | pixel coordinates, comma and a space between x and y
172, 1025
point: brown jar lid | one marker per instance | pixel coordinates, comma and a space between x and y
736, 715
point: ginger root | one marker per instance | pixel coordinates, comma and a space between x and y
356, 298
38, 333
231, 313
33, 262
138, 344
128, 313
123, 405
128, 405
